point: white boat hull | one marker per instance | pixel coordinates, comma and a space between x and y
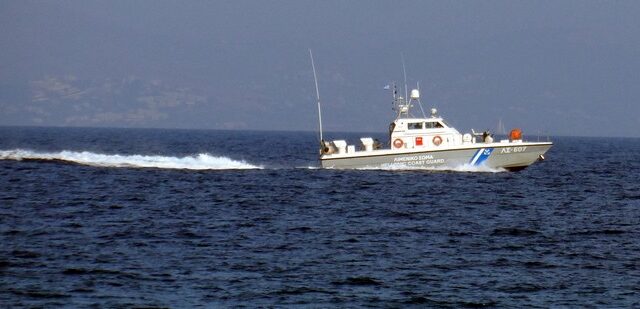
510, 156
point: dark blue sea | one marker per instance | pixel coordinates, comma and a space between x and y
125, 218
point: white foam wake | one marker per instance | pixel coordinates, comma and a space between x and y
472, 169
201, 161
459, 168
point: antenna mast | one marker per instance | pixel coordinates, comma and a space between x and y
315, 79
404, 72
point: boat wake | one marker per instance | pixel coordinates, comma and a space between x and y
468, 168
472, 169
201, 161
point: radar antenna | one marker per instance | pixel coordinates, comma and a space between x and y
419, 102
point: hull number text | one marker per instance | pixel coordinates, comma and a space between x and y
513, 149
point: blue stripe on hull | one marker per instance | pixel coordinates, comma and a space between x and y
480, 156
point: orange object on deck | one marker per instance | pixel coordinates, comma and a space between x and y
515, 134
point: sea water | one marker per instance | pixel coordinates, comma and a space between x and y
188, 218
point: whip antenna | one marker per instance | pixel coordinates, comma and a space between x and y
315, 79
404, 71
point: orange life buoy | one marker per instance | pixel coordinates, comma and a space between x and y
398, 143
515, 134
437, 140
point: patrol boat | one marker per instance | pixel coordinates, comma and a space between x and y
430, 142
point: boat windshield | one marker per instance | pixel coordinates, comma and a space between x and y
433, 125
414, 125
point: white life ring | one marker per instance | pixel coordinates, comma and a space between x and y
398, 143
437, 140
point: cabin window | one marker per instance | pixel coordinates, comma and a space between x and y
414, 125
433, 125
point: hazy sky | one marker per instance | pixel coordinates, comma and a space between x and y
557, 67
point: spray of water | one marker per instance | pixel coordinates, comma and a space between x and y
468, 168
201, 161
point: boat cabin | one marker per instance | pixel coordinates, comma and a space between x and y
434, 132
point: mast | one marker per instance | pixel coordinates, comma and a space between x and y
407, 99
315, 79
404, 72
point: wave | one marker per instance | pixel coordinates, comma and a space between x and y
201, 161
